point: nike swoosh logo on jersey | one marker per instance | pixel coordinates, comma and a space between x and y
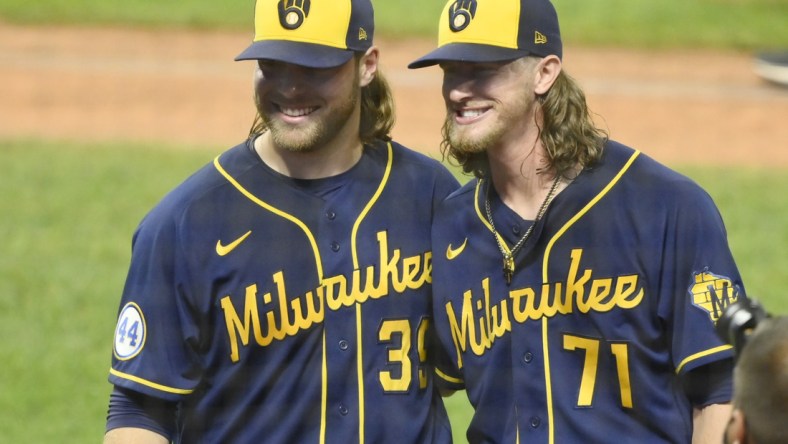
223, 250
452, 253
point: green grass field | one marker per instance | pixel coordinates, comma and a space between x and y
740, 24
68, 213
69, 209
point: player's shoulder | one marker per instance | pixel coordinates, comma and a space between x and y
409, 156
465, 192
645, 176
461, 199
200, 185
620, 158
415, 166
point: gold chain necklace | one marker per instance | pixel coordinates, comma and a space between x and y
508, 257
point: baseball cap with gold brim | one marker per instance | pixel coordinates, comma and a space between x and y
494, 31
311, 33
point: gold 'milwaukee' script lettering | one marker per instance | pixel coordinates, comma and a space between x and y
480, 323
290, 315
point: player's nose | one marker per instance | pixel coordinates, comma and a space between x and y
455, 90
293, 78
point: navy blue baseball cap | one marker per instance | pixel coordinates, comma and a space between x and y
315, 34
495, 31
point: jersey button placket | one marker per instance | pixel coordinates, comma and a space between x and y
343, 345
535, 422
331, 215
528, 357
343, 410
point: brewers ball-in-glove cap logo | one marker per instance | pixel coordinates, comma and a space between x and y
293, 12
461, 13
495, 31
315, 34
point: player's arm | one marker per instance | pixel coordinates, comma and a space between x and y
445, 374
708, 423
135, 418
130, 435
709, 389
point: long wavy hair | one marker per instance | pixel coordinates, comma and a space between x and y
377, 110
566, 130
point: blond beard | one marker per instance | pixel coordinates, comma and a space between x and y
317, 133
464, 143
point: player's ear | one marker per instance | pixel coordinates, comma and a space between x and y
546, 71
368, 66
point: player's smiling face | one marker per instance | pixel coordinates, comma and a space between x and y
487, 103
306, 108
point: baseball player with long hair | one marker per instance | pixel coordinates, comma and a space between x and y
576, 281
281, 294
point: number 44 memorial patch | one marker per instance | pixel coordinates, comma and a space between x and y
130, 333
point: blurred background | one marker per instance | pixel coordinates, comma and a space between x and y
105, 105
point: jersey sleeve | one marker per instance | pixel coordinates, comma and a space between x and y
135, 410
709, 384
445, 184
700, 279
153, 341
446, 374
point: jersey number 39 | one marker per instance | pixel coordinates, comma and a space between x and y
399, 374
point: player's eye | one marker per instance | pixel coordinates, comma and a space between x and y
269, 67
448, 67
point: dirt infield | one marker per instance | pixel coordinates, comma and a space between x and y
184, 88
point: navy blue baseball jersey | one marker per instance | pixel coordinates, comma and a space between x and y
614, 299
284, 311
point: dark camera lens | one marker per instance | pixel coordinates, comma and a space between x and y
738, 320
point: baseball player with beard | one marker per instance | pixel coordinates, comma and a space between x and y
577, 282
281, 294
